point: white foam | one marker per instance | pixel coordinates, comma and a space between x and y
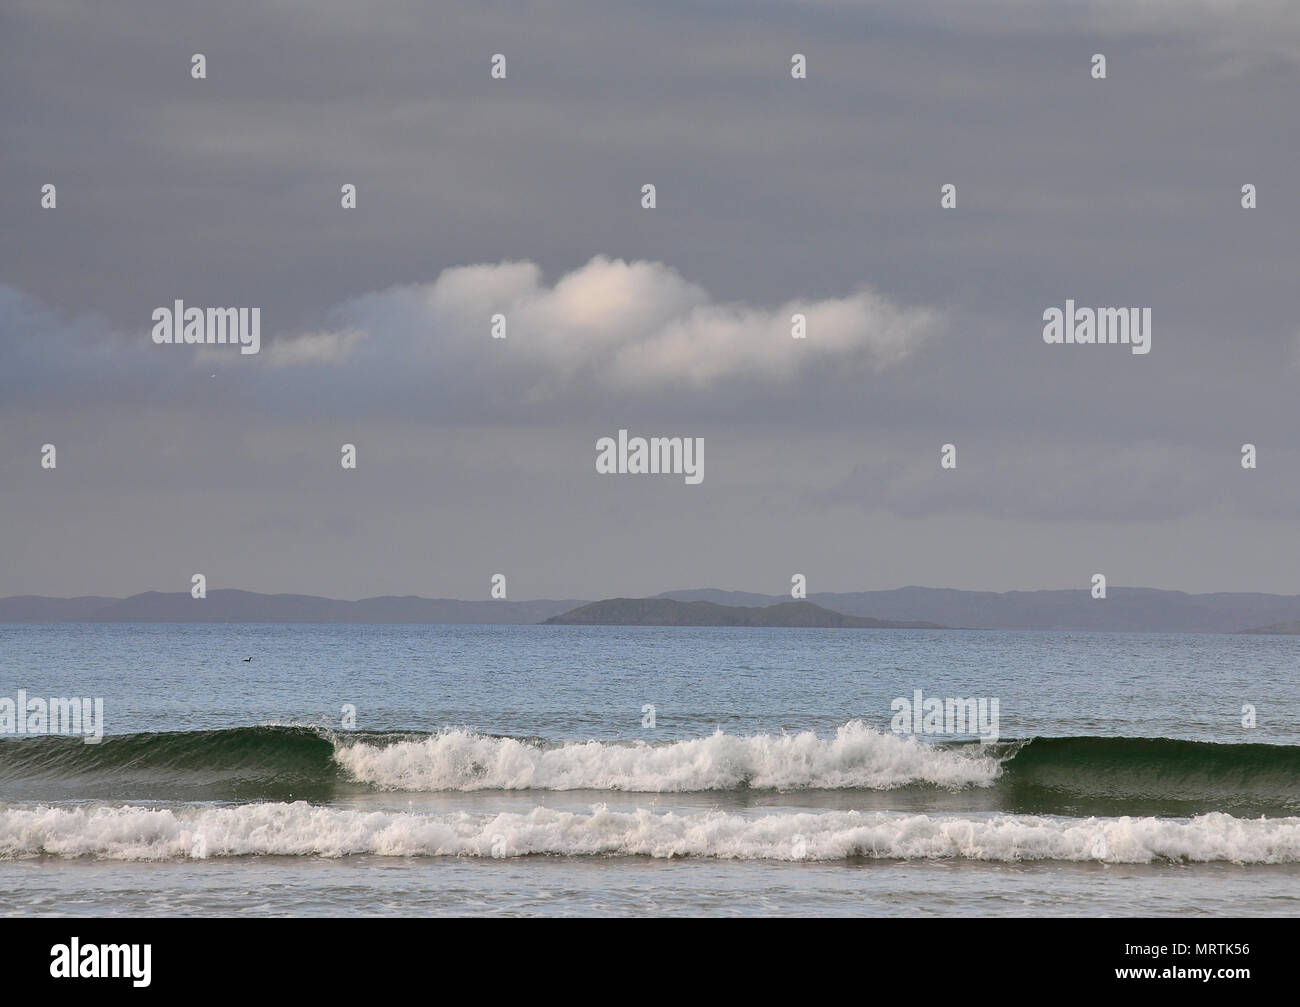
300, 829
856, 757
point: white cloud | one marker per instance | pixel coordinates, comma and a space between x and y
631, 326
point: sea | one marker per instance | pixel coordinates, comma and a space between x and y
422, 770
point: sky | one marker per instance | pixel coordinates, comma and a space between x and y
523, 196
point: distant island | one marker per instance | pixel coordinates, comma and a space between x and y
1289, 628
1124, 610
667, 612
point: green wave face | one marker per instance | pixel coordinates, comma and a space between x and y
1149, 776
239, 764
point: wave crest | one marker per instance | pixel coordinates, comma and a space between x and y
856, 757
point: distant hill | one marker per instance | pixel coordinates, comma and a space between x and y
667, 612
249, 606
1124, 610
1288, 628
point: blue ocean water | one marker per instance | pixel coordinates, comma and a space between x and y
516, 769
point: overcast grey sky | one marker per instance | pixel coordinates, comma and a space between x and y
523, 195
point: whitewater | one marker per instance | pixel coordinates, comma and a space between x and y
300, 829
856, 756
